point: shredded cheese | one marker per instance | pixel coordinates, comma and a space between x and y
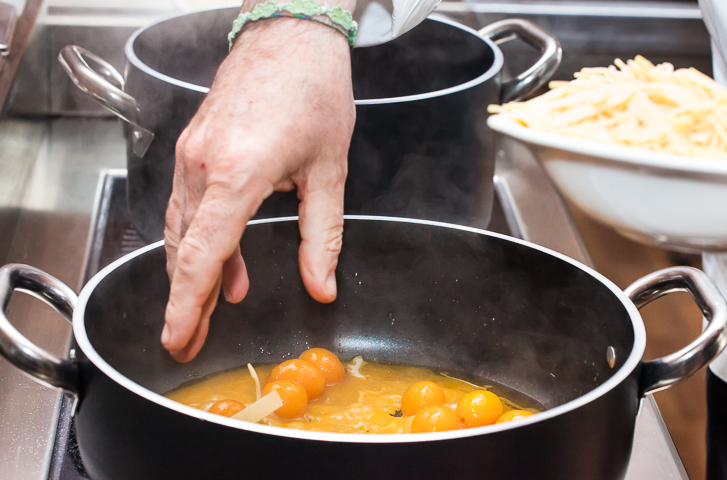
355, 366
255, 378
636, 104
409, 421
481, 387
260, 409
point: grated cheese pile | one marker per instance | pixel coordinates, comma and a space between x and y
636, 104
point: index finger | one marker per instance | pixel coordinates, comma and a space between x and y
212, 237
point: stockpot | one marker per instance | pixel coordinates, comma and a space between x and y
420, 146
453, 298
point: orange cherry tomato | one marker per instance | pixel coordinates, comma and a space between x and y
513, 415
302, 372
479, 408
226, 408
421, 395
327, 362
434, 419
295, 399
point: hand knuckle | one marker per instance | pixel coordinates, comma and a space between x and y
190, 150
191, 250
335, 245
181, 145
333, 237
174, 210
171, 237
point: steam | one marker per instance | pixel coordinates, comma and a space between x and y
429, 159
461, 302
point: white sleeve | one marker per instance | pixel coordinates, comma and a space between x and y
714, 13
382, 20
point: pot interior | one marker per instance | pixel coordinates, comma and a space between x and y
458, 301
433, 56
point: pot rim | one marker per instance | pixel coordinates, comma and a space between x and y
650, 162
496, 66
633, 360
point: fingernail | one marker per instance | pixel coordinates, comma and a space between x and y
166, 334
331, 284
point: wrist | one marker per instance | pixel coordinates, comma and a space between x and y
311, 11
350, 5
286, 52
278, 37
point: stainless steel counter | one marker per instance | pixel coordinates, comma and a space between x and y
52, 233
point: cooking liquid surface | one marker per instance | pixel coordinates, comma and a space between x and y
371, 404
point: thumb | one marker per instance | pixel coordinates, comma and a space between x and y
321, 230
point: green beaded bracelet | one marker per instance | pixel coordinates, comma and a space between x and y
341, 20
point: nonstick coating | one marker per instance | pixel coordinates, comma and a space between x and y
461, 301
454, 300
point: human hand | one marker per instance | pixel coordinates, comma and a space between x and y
278, 116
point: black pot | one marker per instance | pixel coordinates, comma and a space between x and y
420, 147
438, 295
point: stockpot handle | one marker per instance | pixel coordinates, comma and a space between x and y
32, 360
663, 372
535, 76
98, 79
8, 20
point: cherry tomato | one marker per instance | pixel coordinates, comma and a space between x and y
513, 415
421, 395
479, 408
327, 362
295, 399
302, 372
434, 419
226, 408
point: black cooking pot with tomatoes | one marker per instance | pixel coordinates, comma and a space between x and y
452, 298
420, 146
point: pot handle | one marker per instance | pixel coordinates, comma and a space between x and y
32, 360
535, 76
98, 79
663, 372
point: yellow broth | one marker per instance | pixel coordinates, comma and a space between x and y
355, 405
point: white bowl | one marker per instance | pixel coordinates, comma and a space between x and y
667, 200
